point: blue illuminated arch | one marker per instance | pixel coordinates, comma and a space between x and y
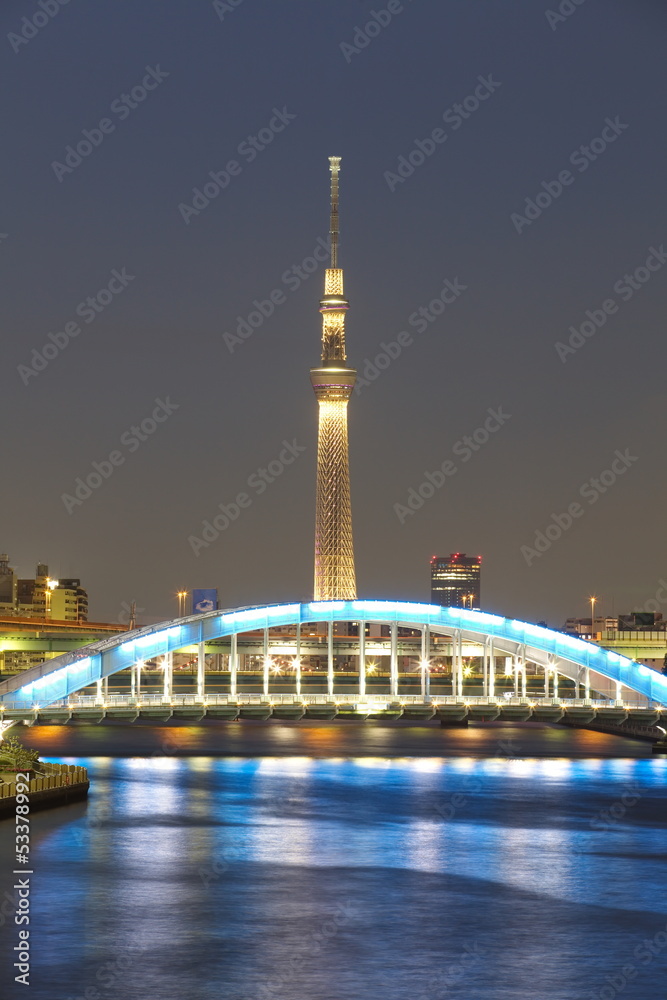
60, 677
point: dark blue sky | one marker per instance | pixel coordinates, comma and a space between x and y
161, 336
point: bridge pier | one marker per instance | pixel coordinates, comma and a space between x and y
168, 665
425, 663
201, 669
492, 670
393, 659
265, 664
362, 658
524, 678
233, 665
298, 659
330, 660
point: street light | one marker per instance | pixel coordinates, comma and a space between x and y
593, 601
181, 595
50, 587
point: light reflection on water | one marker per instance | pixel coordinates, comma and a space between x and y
224, 873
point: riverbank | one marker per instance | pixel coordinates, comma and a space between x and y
56, 785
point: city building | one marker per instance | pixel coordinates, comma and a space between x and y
635, 621
7, 585
639, 635
333, 383
41, 596
456, 580
69, 601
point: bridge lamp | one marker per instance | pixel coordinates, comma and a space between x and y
425, 664
467, 671
371, 668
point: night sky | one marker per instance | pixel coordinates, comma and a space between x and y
220, 74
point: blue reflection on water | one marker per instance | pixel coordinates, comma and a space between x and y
297, 877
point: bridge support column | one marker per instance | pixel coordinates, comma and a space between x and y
265, 681
524, 680
362, 658
492, 670
425, 663
485, 670
137, 686
100, 696
546, 680
298, 658
168, 665
587, 683
201, 670
555, 682
133, 682
234, 665
619, 691
330, 660
515, 667
393, 665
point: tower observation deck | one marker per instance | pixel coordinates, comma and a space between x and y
333, 383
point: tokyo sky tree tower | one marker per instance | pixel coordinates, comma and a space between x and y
333, 382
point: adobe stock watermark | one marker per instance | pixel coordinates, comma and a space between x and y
439, 985
464, 449
454, 116
130, 440
419, 320
581, 158
224, 7
625, 288
122, 107
591, 491
645, 953
263, 309
249, 149
605, 819
654, 604
259, 481
566, 9
32, 25
364, 34
88, 310
128, 611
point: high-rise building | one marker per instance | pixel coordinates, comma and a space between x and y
333, 382
69, 601
41, 597
7, 585
455, 580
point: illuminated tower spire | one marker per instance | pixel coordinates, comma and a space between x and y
333, 383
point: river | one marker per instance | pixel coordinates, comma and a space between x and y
269, 861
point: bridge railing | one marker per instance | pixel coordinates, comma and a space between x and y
158, 700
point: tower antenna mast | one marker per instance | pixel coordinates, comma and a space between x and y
334, 232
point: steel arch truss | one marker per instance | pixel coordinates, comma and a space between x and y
60, 677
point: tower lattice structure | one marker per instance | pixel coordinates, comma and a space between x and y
333, 383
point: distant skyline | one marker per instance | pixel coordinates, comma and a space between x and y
503, 236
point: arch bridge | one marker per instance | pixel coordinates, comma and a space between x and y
408, 638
